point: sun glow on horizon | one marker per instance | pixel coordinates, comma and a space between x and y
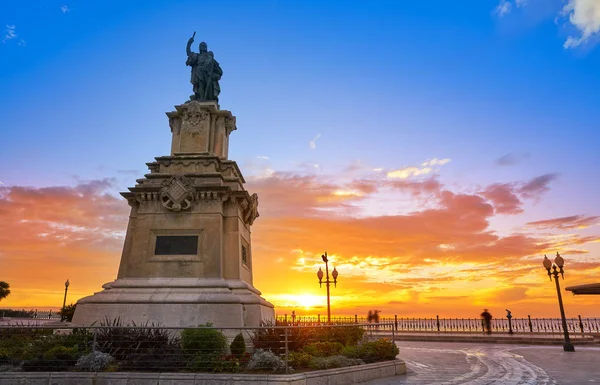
305, 300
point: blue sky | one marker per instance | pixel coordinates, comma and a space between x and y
387, 83
434, 79
375, 84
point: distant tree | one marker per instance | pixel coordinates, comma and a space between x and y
4, 290
66, 313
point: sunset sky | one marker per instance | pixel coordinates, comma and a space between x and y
435, 149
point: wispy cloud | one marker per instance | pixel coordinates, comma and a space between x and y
537, 186
262, 157
435, 162
313, 143
572, 222
512, 159
424, 168
503, 8
65, 9
9, 33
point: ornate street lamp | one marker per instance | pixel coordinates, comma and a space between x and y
334, 274
62, 317
557, 268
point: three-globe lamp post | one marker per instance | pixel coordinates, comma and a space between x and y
327, 282
557, 268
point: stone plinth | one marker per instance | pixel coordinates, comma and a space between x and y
176, 302
187, 257
201, 128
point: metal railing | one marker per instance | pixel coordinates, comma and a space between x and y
271, 348
30, 314
461, 325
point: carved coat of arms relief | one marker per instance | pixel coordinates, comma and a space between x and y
177, 193
195, 118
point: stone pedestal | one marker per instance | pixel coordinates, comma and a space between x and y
187, 257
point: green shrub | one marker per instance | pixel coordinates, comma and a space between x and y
351, 351
323, 349
219, 363
238, 346
205, 340
204, 362
231, 363
322, 363
21, 343
62, 353
160, 359
345, 335
373, 351
39, 349
299, 359
58, 358
5, 358
67, 312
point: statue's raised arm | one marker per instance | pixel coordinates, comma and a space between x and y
188, 49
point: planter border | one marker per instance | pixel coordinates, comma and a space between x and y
339, 376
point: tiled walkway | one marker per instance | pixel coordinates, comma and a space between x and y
478, 364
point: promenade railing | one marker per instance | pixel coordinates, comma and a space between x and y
461, 325
30, 314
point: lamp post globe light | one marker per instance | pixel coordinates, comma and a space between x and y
327, 282
62, 317
554, 269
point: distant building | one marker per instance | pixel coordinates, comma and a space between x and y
590, 289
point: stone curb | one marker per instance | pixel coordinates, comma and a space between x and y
340, 376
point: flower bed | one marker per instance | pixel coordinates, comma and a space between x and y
116, 348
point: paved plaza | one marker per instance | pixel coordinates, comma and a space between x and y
446, 363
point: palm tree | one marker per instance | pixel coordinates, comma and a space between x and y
4, 290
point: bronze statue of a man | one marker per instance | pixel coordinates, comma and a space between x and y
206, 72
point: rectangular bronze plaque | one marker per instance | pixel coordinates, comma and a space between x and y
176, 245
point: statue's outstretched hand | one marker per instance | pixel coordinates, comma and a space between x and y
192, 38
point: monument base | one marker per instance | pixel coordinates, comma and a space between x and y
176, 302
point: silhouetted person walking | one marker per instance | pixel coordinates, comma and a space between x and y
487, 320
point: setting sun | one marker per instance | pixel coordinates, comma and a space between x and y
308, 300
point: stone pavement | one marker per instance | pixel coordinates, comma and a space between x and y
446, 363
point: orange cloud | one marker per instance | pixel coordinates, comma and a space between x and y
564, 223
50, 234
504, 198
441, 257
447, 246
